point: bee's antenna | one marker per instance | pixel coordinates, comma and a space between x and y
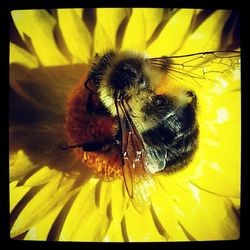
66, 147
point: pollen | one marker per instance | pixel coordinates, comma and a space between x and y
85, 126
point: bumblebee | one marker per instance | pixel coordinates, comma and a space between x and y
145, 130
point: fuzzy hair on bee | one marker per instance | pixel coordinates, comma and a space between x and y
134, 73
113, 71
156, 132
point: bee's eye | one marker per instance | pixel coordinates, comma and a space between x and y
160, 100
142, 83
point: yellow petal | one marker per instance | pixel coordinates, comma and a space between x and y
40, 204
16, 194
135, 33
200, 214
20, 165
103, 195
207, 37
41, 229
102, 40
23, 57
75, 33
46, 87
42, 176
108, 22
153, 17
118, 200
205, 216
38, 26
165, 216
141, 227
173, 34
220, 146
235, 202
83, 217
114, 233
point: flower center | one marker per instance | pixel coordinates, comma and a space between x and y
84, 125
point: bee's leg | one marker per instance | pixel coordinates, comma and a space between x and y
104, 146
192, 94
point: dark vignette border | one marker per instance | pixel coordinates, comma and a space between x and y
7, 6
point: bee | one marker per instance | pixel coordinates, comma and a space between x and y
157, 128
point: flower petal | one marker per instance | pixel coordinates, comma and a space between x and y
42, 144
102, 40
118, 201
208, 218
103, 195
207, 37
41, 201
173, 34
143, 221
108, 22
38, 26
135, 33
40, 204
220, 146
81, 223
46, 87
75, 34
42, 176
114, 233
42, 228
20, 165
21, 56
153, 17
235, 202
164, 213
16, 194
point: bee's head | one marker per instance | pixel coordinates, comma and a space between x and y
128, 73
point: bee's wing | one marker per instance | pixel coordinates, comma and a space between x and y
138, 184
200, 68
138, 181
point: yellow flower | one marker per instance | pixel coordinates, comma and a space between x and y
53, 196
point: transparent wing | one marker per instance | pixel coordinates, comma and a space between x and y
138, 181
201, 68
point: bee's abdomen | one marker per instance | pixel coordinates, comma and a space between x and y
174, 139
180, 152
